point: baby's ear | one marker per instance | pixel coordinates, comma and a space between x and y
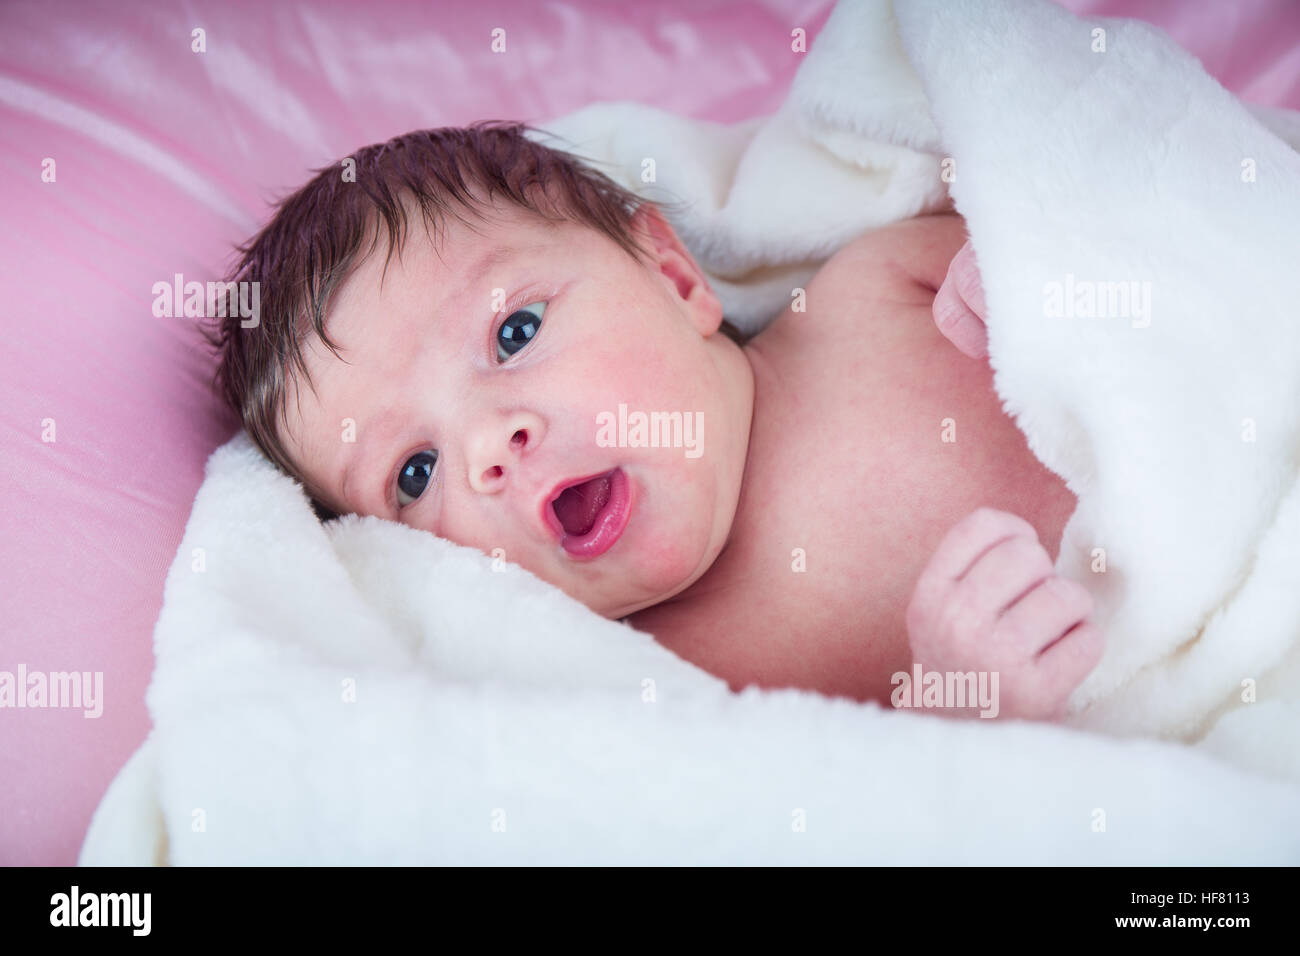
669, 257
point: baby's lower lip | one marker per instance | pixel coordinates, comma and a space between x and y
609, 524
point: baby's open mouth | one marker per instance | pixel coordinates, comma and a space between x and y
593, 513
577, 507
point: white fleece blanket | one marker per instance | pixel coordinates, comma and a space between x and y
365, 693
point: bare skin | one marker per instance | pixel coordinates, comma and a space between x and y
791, 552
847, 465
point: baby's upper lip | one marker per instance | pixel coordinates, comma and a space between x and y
550, 519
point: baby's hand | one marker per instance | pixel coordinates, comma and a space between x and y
989, 600
959, 309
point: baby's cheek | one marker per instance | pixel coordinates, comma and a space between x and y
633, 372
465, 530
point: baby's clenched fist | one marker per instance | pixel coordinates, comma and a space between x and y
989, 600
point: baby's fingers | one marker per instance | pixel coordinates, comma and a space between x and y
959, 324
964, 273
959, 308
973, 536
1065, 664
1007, 572
1045, 615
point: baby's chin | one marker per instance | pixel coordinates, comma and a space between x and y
660, 573
619, 608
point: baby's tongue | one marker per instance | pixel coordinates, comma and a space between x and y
578, 506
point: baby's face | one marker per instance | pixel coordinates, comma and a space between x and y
482, 383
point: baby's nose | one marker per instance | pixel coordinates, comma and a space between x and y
497, 448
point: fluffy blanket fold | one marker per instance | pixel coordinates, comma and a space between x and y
365, 693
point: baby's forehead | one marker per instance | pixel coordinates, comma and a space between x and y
420, 276
449, 250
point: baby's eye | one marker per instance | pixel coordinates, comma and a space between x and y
519, 328
415, 476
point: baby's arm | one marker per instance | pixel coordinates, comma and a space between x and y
989, 600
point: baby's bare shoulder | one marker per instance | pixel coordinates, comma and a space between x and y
888, 274
914, 251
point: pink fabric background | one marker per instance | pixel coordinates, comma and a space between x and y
166, 157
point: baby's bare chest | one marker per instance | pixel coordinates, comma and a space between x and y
866, 446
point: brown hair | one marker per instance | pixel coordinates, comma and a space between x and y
313, 240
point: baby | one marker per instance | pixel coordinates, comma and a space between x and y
467, 332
